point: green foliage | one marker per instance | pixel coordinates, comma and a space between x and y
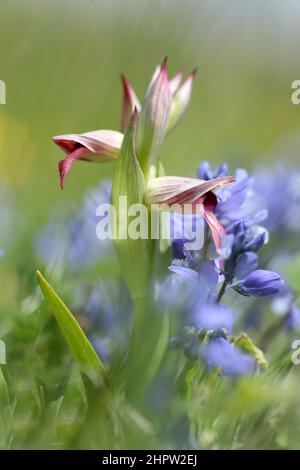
45, 401
81, 348
134, 255
244, 342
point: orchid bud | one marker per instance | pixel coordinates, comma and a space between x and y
153, 78
153, 119
130, 103
95, 146
174, 82
181, 100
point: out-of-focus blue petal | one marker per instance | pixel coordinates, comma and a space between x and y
260, 283
246, 263
224, 355
186, 273
292, 321
208, 272
205, 171
212, 316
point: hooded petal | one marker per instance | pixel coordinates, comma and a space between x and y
104, 142
95, 146
130, 102
176, 190
180, 190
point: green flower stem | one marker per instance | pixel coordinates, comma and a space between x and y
206, 242
148, 343
222, 291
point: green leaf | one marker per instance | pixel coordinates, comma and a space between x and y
4, 396
160, 348
244, 342
6, 422
134, 254
80, 346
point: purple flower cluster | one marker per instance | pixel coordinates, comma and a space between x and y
205, 277
279, 190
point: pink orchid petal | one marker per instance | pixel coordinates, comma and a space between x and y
208, 203
65, 165
176, 80
130, 102
154, 118
153, 78
105, 142
180, 190
216, 228
95, 146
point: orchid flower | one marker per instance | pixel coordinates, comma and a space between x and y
163, 106
176, 191
95, 146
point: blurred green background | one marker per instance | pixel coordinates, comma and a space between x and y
61, 61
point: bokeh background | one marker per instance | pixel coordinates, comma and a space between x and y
61, 61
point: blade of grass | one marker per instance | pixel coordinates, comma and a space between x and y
82, 350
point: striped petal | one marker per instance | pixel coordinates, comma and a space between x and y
130, 102
180, 190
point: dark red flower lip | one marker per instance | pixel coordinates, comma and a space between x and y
67, 146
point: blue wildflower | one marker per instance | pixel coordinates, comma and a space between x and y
239, 248
245, 264
260, 283
185, 272
224, 355
292, 320
233, 203
279, 192
206, 173
212, 317
284, 305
